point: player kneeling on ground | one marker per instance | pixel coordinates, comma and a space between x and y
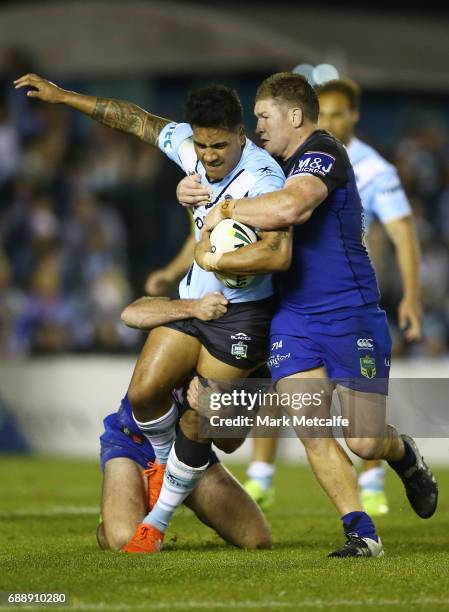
127, 461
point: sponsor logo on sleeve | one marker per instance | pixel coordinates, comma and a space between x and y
314, 162
169, 135
267, 171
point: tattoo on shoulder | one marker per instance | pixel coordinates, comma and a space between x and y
129, 117
275, 242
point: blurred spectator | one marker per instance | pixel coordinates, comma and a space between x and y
9, 146
11, 304
47, 320
18, 61
421, 158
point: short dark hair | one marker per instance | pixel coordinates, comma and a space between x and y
214, 106
346, 87
291, 88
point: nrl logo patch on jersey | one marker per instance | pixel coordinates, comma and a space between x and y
239, 350
314, 162
368, 366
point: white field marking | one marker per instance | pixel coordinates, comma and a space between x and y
55, 510
306, 603
52, 511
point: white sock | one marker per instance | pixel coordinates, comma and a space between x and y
161, 433
179, 481
262, 472
373, 479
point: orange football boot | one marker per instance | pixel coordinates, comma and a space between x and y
155, 473
147, 539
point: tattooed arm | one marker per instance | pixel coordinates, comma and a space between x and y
272, 253
117, 114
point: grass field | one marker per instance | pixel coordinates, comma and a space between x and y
49, 512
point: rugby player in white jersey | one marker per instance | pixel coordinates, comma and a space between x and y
213, 144
382, 197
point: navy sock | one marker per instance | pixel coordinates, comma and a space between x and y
193, 454
407, 461
360, 524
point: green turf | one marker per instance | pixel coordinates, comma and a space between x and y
49, 545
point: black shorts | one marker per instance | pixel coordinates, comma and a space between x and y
240, 337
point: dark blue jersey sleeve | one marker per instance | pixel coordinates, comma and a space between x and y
324, 158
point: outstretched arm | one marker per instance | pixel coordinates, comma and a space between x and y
118, 114
149, 312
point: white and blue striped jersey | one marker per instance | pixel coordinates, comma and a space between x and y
378, 183
255, 174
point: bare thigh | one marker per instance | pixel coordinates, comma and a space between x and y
124, 501
318, 389
367, 433
166, 360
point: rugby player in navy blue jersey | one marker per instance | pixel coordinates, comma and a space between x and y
384, 199
329, 331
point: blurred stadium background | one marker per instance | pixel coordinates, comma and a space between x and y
87, 213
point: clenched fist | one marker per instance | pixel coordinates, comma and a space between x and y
190, 191
211, 306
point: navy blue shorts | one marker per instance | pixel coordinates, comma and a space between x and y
354, 345
122, 439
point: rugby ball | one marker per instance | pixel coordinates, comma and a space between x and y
230, 235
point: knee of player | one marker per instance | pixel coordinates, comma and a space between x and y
228, 445
365, 448
189, 424
316, 445
260, 540
142, 393
117, 537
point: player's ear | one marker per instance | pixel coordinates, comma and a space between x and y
355, 115
242, 135
297, 117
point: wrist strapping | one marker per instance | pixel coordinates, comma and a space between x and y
210, 261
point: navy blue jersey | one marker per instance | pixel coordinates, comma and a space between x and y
331, 268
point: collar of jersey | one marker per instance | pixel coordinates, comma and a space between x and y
303, 144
